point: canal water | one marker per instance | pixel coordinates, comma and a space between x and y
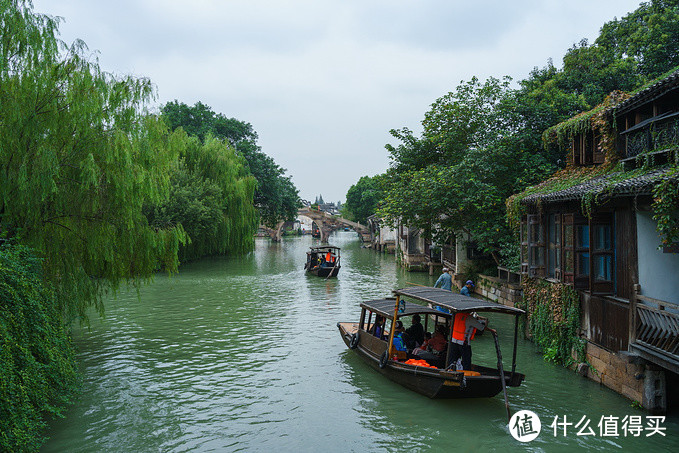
243, 354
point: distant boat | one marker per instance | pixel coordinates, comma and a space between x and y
323, 261
437, 379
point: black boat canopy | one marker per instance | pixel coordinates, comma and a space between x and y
453, 301
323, 248
385, 308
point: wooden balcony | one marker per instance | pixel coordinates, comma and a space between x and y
656, 332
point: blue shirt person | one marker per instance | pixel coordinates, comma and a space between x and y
399, 343
468, 288
445, 281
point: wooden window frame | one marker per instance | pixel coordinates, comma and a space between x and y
536, 245
602, 219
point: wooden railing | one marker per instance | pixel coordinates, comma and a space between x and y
657, 326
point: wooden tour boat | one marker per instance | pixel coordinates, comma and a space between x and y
323, 261
441, 381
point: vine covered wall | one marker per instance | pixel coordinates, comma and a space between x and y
553, 318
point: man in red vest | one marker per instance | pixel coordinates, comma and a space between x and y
464, 327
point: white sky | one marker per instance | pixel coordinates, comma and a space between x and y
322, 82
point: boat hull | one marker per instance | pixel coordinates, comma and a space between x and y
324, 271
434, 383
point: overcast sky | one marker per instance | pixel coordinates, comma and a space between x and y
322, 82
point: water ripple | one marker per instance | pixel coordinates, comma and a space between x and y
242, 354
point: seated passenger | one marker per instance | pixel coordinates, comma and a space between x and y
399, 344
423, 346
433, 348
377, 328
438, 342
414, 335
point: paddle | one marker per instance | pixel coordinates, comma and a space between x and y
333, 269
501, 370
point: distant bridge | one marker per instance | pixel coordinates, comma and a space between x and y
325, 223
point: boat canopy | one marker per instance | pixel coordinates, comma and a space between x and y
385, 308
323, 248
453, 301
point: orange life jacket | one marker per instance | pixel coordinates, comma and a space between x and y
460, 327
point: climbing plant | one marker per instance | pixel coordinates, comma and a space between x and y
553, 317
666, 207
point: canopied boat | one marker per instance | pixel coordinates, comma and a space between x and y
435, 379
323, 261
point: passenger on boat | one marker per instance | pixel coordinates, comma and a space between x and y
432, 350
414, 335
399, 344
377, 329
438, 339
464, 328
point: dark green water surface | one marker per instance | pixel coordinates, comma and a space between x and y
243, 354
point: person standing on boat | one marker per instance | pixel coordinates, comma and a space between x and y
445, 280
464, 328
468, 288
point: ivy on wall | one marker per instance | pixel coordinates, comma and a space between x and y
553, 317
666, 208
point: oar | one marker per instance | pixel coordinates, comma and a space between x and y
501, 370
333, 269
414, 284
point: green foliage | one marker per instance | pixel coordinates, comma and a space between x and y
210, 199
648, 36
666, 207
476, 165
363, 198
276, 197
553, 315
79, 158
38, 372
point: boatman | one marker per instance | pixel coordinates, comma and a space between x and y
464, 328
445, 281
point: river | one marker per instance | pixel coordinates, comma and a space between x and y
243, 354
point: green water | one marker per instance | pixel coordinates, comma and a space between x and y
243, 354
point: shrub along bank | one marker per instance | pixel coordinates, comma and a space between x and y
38, 372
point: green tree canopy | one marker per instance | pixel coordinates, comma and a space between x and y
363, 198
276, 197
211, 195
649, 36
79, 157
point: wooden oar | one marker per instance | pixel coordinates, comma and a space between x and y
414, 284
501, 370
333, 269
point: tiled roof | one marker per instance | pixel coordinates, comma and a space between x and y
648, 94
603, 186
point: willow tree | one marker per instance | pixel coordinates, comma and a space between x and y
211, 197
79, 157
